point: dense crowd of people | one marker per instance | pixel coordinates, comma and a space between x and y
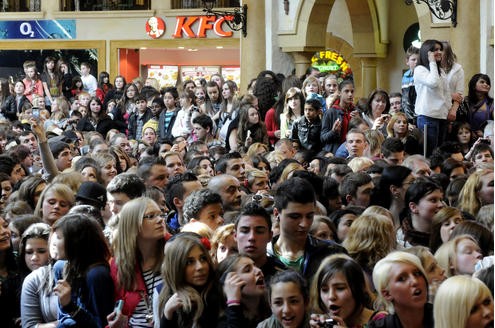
292, 204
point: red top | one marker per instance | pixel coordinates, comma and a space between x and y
271, 125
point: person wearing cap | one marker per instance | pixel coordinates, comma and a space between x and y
94, 194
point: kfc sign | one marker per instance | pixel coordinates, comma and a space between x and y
186, 26
190, 27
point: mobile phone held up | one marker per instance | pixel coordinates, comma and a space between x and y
118, 306
36, 113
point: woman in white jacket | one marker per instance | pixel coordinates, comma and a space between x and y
455, 75
434, 99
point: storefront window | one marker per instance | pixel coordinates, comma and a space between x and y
191, 4
18, 5
100, 5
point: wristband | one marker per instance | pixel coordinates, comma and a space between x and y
233, 302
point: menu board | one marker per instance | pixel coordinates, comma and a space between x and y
198, 72
166, 75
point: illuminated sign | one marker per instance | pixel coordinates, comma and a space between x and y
155, 27
332, 62
38, 29
190, 27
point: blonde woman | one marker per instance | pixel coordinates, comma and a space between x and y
257, 181
360, 164
434, 272
459, 256
138, 255
54, 202
370, 238
477, 191
223, 243
463, 302
393, 273
398, 127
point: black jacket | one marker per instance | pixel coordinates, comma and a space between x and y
133, 123
10, 109
103, 126
307, 134
314, 252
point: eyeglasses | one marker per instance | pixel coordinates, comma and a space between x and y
161, 215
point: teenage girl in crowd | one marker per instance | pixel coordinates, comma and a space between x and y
459, 256
76, 87
433, 101
17, 102
477, 191
331, 90
96, 119
293, 111
117, 91
125, 106
50, 78
479, 103
83, 283
339, 292
402, 287
289, 301
32, 81
463, 302
138, 254
251, 129
424, 198
39, 305
244, 289
104, 82
65, 78
188, 296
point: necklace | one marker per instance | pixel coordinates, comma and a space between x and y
147, 296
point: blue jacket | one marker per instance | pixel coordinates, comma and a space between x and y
95, 298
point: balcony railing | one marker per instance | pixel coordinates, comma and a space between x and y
194, 4
104, 5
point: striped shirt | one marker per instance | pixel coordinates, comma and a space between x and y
145, 307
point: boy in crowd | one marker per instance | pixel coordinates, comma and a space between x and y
306, 131
408, 90
90, 84
294, 209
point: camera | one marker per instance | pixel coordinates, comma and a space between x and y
485, 141
328, 323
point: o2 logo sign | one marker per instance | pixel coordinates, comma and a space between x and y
38, 29
26, 29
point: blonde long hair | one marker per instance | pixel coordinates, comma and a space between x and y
126, 252
456, 298
370, 238
468, 197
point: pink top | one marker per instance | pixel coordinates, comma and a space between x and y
32, 88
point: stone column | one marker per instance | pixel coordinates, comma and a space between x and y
253, 48
464, 39
302, 60
369, 77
